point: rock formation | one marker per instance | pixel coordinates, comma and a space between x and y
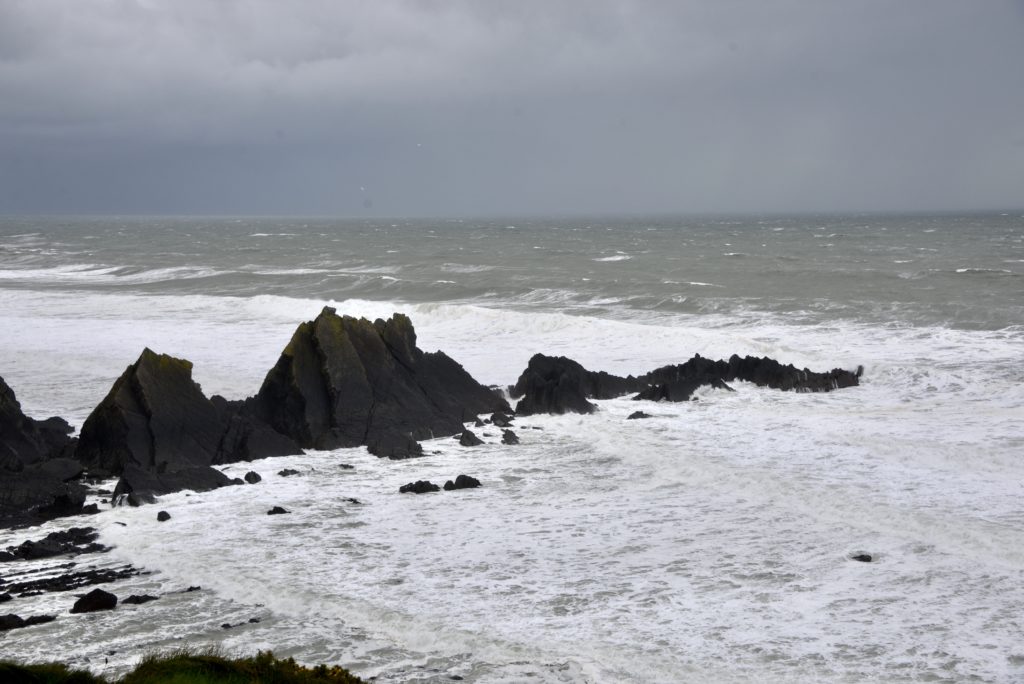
35, 475
561, 385
344, 382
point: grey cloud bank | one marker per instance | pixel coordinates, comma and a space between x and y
431, 108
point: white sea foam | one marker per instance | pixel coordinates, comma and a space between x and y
615, 257
711, 542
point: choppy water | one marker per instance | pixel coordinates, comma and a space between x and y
710, 543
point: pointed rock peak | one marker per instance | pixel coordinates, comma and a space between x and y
162, 362
400, 336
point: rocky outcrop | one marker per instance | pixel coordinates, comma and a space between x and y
344, 382
159, 432
509, 437
462, 482
71, 542
556, 384
95, 600
561, 385
681, 389
35, 477
419, 487
12, 621
469, 439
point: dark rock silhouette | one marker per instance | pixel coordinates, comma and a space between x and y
159, 432
636, 415
395, 446
462, 482
11, 621
74, 541
163, 516
502, 420
95, 600
509, 437
681, 389
277, 510
34, 473
252, 477
344, 382
419, 487
288, 472
139, 599
469, 439
561, 385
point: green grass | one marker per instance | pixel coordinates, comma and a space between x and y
188, 667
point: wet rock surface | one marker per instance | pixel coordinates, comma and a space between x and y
419, 487
95, 600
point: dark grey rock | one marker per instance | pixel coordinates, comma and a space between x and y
95, 600
462, 482
509, 437
468, 439
419, 487
163, 516
277, 510
252, 477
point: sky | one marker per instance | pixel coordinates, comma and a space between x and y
429, 108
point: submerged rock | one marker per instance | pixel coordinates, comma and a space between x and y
637, 415
419, 487
462, 482
469, 439
74, 541
95, 600
11, 621
139, 599
509, 437
277, 510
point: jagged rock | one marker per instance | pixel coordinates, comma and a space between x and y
502, 420
95, 600
462, 482
345, 382
246, 437
26, 441
862, 557
561, 385
32, 472
395, 446
468, 439
158, 431
163, 516
252, 477
4, 598
636, 415
509, 437
155, 418
74, 541
419, 487
11, 621
681, 389
288, 472
277, 510
143, 484
478, 423
138, 600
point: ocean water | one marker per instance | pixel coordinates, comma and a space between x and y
709, 543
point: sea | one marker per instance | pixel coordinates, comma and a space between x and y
712, 542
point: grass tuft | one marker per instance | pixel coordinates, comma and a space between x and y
189, 667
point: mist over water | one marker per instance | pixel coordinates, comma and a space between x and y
709, 543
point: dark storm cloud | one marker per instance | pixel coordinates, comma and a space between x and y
320, 106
